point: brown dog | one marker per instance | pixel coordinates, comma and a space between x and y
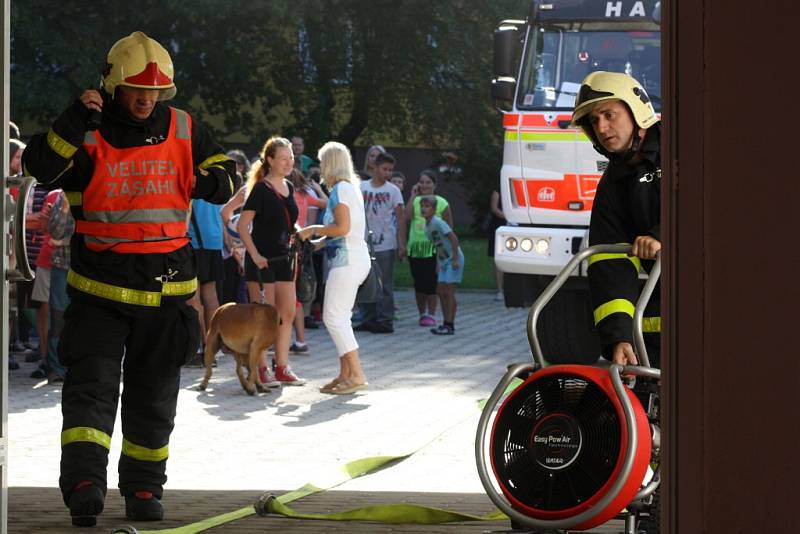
247, 330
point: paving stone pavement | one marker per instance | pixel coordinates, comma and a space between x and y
421, 385
423, 396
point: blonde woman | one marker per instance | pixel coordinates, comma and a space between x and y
369, 159
348, 261
271, 209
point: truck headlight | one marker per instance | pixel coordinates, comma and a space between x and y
526, 245
542, 246
511, 243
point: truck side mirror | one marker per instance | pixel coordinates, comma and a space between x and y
503, 91
506, 37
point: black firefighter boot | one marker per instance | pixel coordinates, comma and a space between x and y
85, 504
143, 506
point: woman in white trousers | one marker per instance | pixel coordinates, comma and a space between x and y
342, 231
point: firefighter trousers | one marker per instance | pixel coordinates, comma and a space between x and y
146, 347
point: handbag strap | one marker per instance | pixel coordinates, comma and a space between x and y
289, 226
368, 238
289, 229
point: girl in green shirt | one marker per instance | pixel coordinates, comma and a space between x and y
421, 252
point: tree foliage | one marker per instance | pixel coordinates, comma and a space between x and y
414, 73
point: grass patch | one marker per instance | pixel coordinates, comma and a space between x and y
478, 266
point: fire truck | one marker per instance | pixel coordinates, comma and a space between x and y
550, 170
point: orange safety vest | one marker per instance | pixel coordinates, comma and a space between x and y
138, 198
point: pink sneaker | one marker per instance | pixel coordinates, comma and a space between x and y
427, 320
267, 378
284, 375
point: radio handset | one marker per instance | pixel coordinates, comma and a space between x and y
95, 117
94, 120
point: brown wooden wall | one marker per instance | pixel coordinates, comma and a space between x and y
732, 375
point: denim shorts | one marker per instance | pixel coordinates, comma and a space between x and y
449, 275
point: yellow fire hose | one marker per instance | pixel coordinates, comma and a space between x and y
385, 513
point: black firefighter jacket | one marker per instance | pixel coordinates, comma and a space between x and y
627, 205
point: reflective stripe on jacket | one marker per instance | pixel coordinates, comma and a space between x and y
138, 198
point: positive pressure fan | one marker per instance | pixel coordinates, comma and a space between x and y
558, 443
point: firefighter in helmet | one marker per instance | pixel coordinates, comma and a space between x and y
615, 112
129, 165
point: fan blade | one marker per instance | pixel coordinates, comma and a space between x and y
550, 392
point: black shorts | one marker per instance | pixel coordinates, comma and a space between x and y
496, 223
209, 265
24, 293
277, 271
423, 271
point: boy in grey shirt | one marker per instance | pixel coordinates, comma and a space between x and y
383, 203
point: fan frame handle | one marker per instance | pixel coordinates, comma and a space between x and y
561, 278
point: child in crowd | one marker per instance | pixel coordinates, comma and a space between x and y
309, 198
450, 263
399, 179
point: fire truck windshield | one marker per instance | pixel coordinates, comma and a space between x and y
556, 61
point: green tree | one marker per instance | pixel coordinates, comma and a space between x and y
224, 61
414, 73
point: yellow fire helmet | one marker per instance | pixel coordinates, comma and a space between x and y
141, 62
599, 86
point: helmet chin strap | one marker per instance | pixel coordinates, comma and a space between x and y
622, 157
